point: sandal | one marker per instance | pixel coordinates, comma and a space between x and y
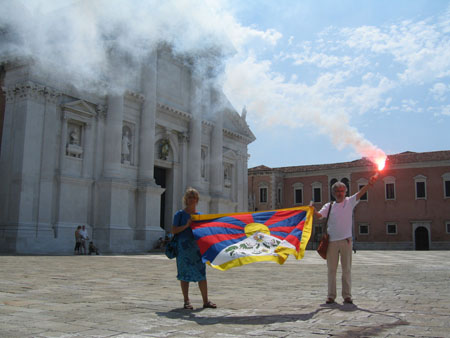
348, 301
330, 301
188, 306
210, 305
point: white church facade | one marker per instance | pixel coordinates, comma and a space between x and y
117, 163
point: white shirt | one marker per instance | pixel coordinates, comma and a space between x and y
341, 218
83, 234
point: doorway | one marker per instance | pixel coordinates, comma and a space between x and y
160, 179
421, 238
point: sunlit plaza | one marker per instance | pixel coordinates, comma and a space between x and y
396, 294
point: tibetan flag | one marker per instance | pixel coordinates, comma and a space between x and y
229, 240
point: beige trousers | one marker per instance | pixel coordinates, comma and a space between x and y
342, 248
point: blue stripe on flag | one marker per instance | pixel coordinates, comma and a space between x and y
279, 233
202, 232
289, 222
262, 217
297, 233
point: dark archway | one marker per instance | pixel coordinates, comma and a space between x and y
2, 103
160, 179
422, 241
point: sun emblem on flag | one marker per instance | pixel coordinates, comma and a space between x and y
253, 228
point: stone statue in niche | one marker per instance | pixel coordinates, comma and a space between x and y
74, 148
203, 164
126, 145
74, 136
164, 148
227, 175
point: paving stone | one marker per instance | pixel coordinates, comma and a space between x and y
396, 293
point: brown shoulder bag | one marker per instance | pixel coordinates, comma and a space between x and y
323, 244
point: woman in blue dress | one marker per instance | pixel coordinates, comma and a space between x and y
189, 262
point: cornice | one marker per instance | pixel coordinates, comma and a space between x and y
207, 123
237, 136
349, 171
135, 96
175, 112
30, 90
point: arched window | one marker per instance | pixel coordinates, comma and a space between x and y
333, 181
347, 184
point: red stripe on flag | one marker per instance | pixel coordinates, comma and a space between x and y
294, 241
282, 229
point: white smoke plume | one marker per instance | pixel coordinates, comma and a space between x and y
77, 40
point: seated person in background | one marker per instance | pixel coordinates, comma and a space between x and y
92, 248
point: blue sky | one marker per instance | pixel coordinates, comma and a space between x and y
332, 81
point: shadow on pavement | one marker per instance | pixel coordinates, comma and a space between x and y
369, 331
365, 331
195, 316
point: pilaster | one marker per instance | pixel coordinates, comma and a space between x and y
195, 135
113, 136
148, 120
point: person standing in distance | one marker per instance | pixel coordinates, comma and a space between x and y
340, 237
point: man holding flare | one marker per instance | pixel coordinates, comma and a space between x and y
340, 236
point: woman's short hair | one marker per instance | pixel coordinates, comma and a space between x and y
190, 192
338, 185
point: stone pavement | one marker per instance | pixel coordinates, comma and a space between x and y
396, 293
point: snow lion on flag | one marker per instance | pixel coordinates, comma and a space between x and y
229, 240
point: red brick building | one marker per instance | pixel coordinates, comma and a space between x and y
408, 207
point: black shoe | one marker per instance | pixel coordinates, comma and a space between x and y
348, 301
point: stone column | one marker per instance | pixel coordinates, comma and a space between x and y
240, 173
88, 151
216, 172
113, 136
195, 134
21, 160
245, 181
183, 141
149, 194
111, 231
47, 188
148, 120
6, 165
63, 145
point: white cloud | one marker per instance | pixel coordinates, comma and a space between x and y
291, 40
439, 91
422, 48
445, 110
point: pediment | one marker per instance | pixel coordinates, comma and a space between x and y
80, 107
230, 155
237, 124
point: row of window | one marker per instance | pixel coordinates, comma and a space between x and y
391, 228
389, 183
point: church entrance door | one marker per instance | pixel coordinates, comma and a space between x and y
160, 179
